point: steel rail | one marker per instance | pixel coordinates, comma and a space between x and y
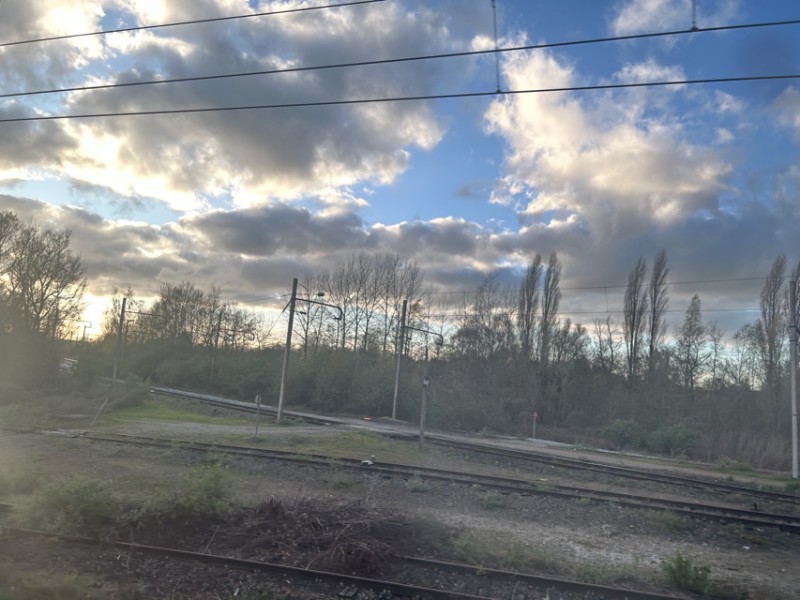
603, 591
615, 470
625, 472
395, 587
789, 523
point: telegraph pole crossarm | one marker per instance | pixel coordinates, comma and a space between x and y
403, 328
287, 350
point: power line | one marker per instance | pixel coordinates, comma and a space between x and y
609, 287
181, 23
358, 101
467, 315
387, 61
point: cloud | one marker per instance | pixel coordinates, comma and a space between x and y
611, 168
248, 157
643, 16
788, 108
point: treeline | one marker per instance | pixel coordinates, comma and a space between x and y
693, 390
509, 353
41, 298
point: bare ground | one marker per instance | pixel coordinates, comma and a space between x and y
601, 542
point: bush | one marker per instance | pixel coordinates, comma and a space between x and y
625, 433
672, 441
683, 573
73, 506
205, 492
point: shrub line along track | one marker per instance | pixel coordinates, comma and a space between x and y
788, 523
402, 589
527, 455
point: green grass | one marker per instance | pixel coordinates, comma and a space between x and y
80, 505
18, 584
682, 572
159, 411
19, 482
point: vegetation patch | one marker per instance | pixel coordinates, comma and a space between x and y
16, 584
74, 506
155, 410
417, 485
490, 552
682, 572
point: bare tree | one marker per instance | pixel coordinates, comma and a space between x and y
656, 323
715, 337
634, 315
9, 226
742, 367
551, 298
487, 329
46, 280
690, 345
771, 325
528, 305
609, 346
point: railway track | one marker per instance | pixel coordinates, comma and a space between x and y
758, 496
617, 471
691, 509
495, 583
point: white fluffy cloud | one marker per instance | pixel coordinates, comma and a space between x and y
638, 16
606, 166
240, 158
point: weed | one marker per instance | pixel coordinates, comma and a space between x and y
34, 585
793, 486
417, 485
19, 482
491, 500
728, 464
669, 522
682, 572
339, 480
485, 552
205, 492
72, 506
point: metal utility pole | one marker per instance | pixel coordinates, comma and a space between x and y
423, 409
400, 343
216, 343
286, 351
120, 333
793, 368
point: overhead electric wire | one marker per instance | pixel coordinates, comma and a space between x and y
357, 101
610, 287
387, 61
188, 22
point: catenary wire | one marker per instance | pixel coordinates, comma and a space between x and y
188, 22
359, 101
610, 287
387, 61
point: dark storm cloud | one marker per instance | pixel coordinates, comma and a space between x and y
277, 229
431, 241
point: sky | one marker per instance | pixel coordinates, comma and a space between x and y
465, 186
